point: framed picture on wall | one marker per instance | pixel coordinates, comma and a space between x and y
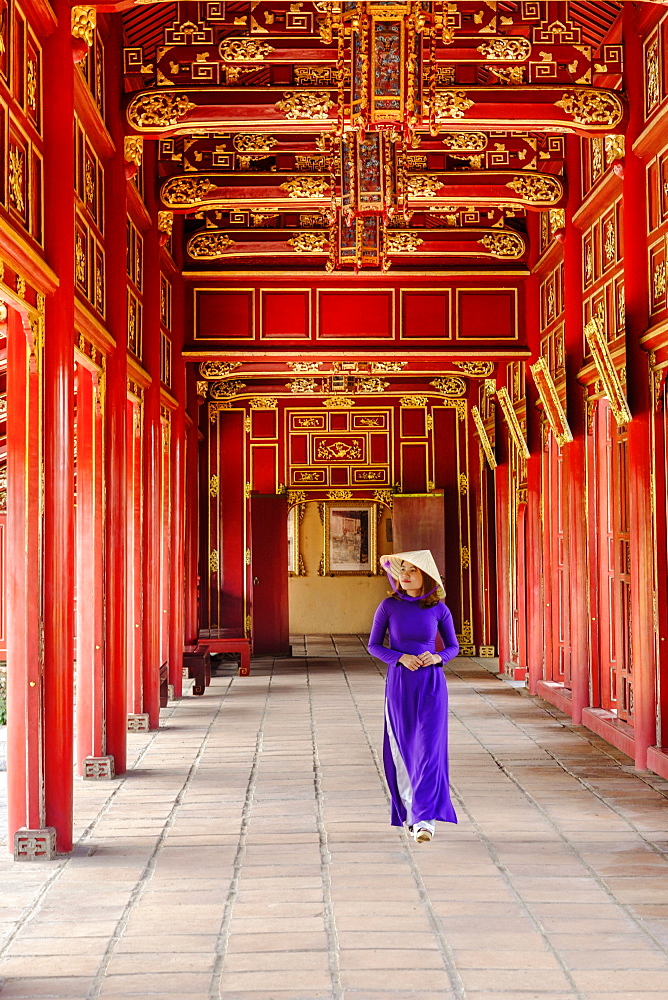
350, 538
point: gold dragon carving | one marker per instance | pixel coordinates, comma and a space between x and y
593, 107
452, 103
305, 187
158, 110
208, 246
537, 189
506, 245
309, 242
402, 242
244, 50
312, 105
182, 192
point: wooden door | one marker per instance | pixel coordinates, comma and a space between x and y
418, 523
269, 566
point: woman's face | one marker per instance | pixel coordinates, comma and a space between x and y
410, 578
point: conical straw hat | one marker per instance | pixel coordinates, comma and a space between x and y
422, 558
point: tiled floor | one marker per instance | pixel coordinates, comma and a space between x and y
247, 855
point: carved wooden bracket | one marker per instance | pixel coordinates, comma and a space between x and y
551, 403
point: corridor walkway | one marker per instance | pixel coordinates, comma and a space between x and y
247, 855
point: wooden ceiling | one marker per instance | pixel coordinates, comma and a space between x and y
385, 135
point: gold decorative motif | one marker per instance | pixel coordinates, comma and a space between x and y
615, 148
653, 75
16, 178
476, 368
463, 483
595, 335
215, 409
510, 75
20, 286
309, 242
305, 187
402, 242
370, 385
340, 449
484, 439
182, 192
202, 389
217, 369
513, 423
514, 49
593, 107
208, 246
423, 185
252, 143
414, 400
314, 105
589, 263
609, 241
302, 385
158, 109
225, 390
295, 497
165, 223
243, 50
465, 556
340, 495
452, 103
309, 477
213, 561
506, 245
451, 385
132, 149
304, 366
384, 496
537, 189
83, 21
551, 402
263, 403
557, 218
339, 402
248, 624
659, 281
31, 84
370, 475
382, 367
473, 141
214, 486
248, 551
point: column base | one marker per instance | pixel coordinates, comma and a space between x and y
95, 768
170, 692
138, 723
35, 845
487, 651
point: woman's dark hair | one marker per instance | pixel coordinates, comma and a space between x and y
428, 583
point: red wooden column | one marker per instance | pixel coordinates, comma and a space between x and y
574, 453
152, 623
192, 528
24, 586
639, 431
177, 588
115, 409
534, 563
502, 475
59, 567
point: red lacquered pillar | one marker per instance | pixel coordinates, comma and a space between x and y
177, 583
503, 563
534, 563
636, 286
24, 583
574, 452
153, 605
59, 566
115, 676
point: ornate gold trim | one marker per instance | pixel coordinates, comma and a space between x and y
594, 333
551, 402
512, 422
487, 446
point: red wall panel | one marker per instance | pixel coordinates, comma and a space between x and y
264, 459
425, 314
414, 468
413, 422
224, 314
263, 423
286, 314
486, 315
348, 314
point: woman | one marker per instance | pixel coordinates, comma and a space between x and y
415, 748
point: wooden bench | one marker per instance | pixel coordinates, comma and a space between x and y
197, 665
229, 641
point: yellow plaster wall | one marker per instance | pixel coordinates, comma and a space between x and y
341, 604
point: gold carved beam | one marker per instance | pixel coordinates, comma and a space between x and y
549, 397
594, 333
487, 446
513, 423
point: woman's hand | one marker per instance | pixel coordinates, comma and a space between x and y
410, 661
427, 659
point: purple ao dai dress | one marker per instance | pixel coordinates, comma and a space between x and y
415, 747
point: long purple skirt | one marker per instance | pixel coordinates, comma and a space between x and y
415, 747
